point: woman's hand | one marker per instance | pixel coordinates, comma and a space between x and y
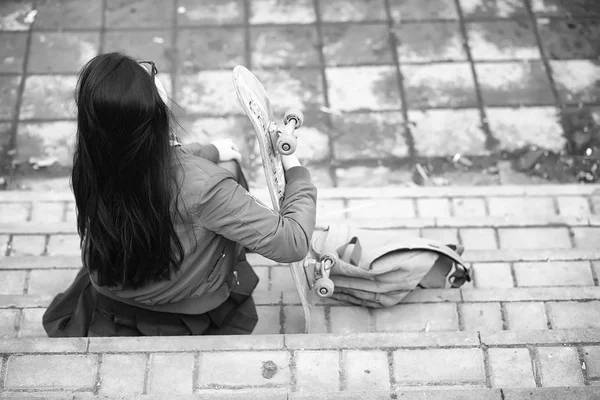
290, 161
227, 150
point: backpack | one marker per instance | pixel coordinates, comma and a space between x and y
376, 269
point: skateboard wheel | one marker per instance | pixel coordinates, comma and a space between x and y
332, 257
324, 287
294, 114
286, 145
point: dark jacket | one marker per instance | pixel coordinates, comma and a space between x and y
218, 215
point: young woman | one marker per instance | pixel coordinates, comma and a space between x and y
164, 227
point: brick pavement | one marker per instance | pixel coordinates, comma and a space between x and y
526, 325
452, 76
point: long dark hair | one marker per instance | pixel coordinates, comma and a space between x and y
125, 189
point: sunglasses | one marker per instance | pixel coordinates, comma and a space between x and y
152, 68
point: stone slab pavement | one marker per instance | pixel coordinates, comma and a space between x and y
430, 79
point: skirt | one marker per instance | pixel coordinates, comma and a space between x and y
81, 311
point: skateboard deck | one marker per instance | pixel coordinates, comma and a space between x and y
257, 106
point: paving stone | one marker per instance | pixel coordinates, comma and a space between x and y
281, 280
444, 235
61, 52
534, 238
530, 315
27, 245
370, 177
171, 373
503, 40
511, 368
64, 245
591, 356
573, 205
207, 92
14, 212
575, 273
263, 278
462, 127
221, 48
569, 39
469, 207
447, 85
516, 128
381, 209
493, 8
574, 315
123, 374
403, 10
356, 44
211, 12
48, 212
12, 282
416, 317
12, 51
481, 316
386, 135
433, 207
268, 320
492, 275
560, 366
432, 41
317, 371
68, 14
479, 239
551, 337
586, 238
282, 46
375, 88
79, 395
274, 11
31, 323
143, 13
8, 89
514, 84
360, 10
3, 245
293, 88
51, 282
501, 206
438, 366
8, 321
51, 372
330, 210
366, 370
596, 270
576, 87
238, 369
13, 14
345, 320
46, 141
568, 393
294, 320
155, 45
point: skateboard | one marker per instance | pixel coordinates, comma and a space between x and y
311, 275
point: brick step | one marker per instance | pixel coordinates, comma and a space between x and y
432, 393
411, 365
423, 310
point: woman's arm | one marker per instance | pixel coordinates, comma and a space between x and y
228, 209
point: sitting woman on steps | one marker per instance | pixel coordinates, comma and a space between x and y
164, 227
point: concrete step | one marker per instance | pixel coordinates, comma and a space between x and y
416, 365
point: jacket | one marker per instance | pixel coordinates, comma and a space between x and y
218, 216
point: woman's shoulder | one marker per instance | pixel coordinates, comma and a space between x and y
195, 173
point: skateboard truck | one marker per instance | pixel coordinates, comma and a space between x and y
318, 272
286, 141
